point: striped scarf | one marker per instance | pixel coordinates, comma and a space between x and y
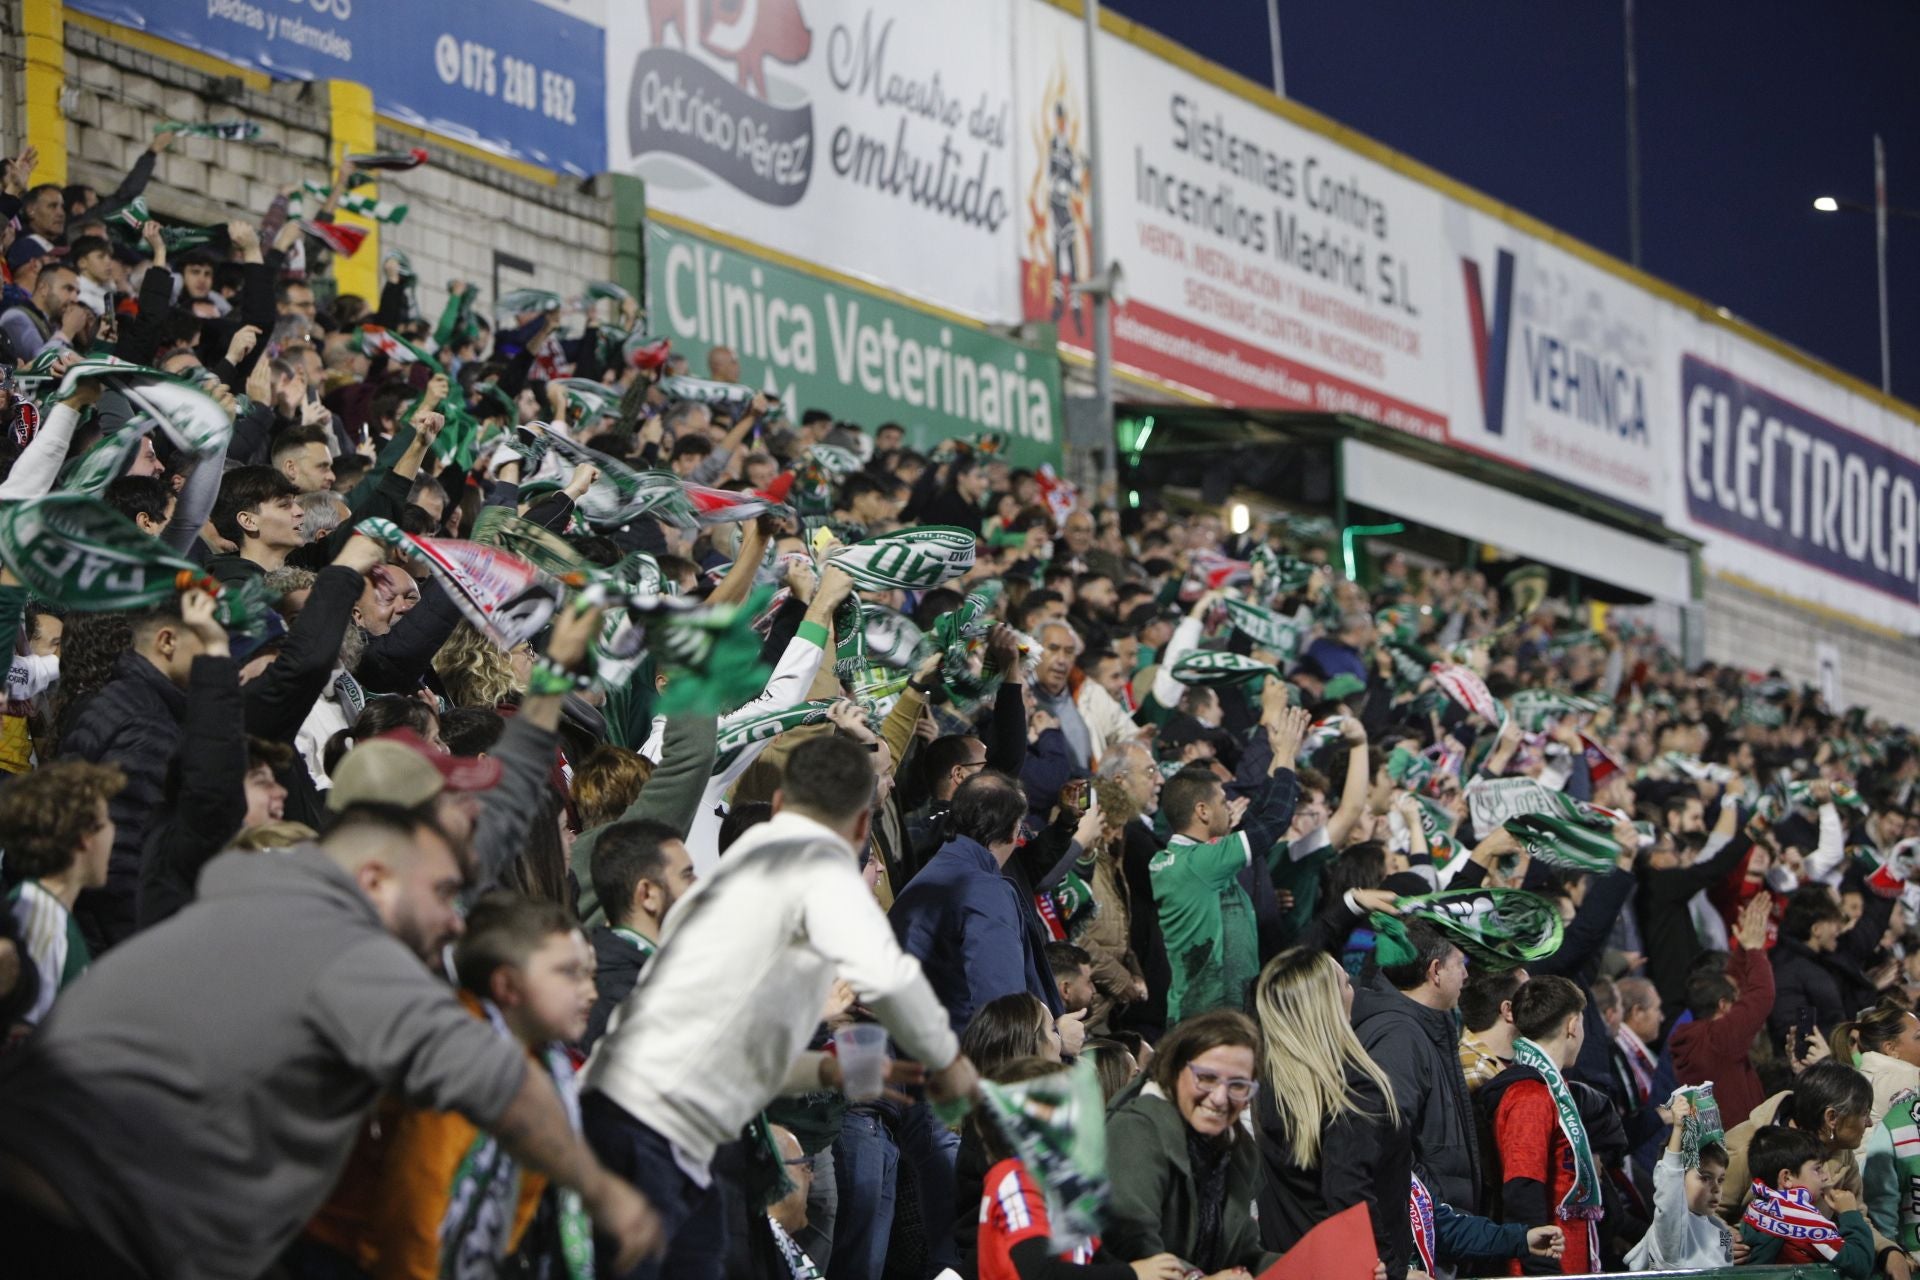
1790, 1215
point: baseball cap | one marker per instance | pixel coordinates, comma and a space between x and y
26, 249
401, 768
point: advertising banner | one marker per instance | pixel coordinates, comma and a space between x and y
1793, 481
870, 136
1265, 265
859, 355
1553, 364
526, 78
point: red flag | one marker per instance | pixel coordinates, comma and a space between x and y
650, 355
337, 236
725, 506
1601, 763
1059, 495
1341, 1248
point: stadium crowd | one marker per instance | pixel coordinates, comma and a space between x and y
562, 813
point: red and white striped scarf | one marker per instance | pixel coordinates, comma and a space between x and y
1789, 1214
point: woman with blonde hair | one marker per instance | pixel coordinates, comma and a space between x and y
476, 673
1331, 1133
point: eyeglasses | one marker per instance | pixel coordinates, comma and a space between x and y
1239, 1088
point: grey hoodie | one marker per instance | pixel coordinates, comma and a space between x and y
194, 1096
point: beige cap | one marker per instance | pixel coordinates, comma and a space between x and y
402, 768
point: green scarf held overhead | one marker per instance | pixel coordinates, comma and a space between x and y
1582, 1201
77, 552
222, 130
1536, 709
733, 396
107, 460
742, 733
591, 399
713, 655
1280, 574
538, 545
1704, 1127
1409, 769
1499, 929
1056, 1124
1216, 666
620, 495
366, 206
524, 301
1583, 843
849, 639
956, 632
892, 640
1265, 628
909, 560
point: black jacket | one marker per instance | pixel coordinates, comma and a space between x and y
133, 722
1808, 989
1419, 1050
616, 972
1364, 1159
1149, 1016
206, 811
1666, 924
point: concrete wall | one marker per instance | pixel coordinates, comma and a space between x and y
1754, 630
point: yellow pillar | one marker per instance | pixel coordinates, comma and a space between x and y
45, 25
352, 129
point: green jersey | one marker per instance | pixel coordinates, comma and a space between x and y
1213, 944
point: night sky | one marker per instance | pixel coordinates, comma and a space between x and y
1747, 111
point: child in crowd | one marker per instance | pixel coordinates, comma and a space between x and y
1686, 1233
435, 1193
1794, 1217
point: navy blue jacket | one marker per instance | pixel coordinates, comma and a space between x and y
963, 920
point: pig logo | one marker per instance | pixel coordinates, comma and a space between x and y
682, 108
743, 32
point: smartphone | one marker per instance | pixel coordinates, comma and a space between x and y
1805, 1029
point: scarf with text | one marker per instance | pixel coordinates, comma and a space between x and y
1582, 1201
1791, 1215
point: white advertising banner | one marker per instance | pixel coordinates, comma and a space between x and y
870, 136
1267, 265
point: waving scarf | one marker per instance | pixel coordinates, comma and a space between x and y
1057, 1125
1265, 628
1216, 666
502, 596
910, 560
1583, 843
1499, 929
743, 732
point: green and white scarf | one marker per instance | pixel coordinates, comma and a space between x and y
78, 552
742, 732
223, 130
1499, 929
1265, 628
731, 395
1583, 843
620, 494
366, 206
958, 632
1216, 666
910, 560
1582, 1202
1535, 709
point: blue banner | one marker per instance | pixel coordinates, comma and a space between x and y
523, 77
1765, 470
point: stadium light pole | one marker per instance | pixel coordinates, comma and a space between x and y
1881, 212
1273, 43
1101, 287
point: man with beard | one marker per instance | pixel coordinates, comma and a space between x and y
640, 869
193, 1101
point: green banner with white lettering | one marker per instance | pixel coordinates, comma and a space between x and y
856, 353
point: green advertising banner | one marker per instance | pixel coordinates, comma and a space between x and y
858, 354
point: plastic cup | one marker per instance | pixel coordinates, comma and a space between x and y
862, 1050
